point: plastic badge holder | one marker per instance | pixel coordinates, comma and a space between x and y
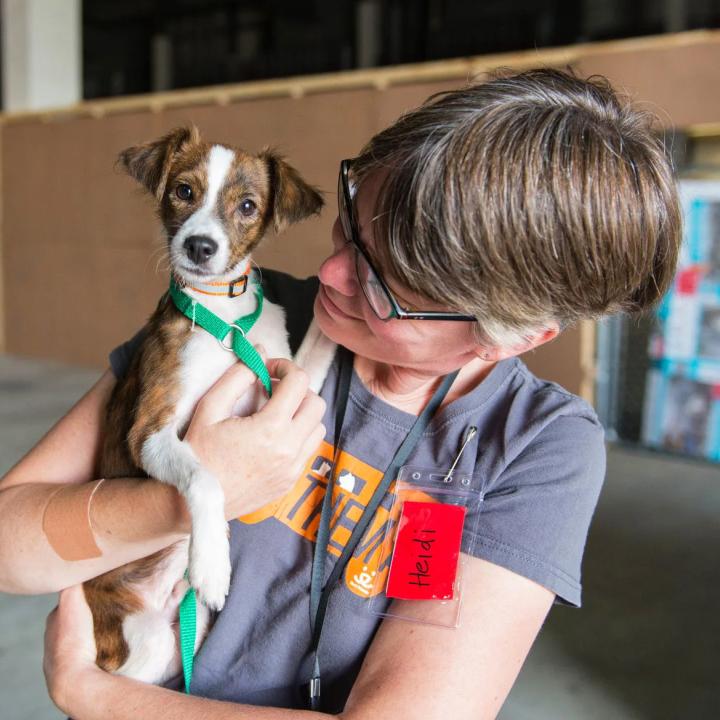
435, 517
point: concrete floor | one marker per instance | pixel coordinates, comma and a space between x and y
644, 647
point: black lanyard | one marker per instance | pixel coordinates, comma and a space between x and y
319, 594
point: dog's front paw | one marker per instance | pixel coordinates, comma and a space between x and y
209, 568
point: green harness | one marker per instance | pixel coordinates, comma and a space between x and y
219, 329
247, 354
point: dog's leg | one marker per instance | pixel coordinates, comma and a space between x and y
141, 590
153, 652
315, 355
168, 459
152, 633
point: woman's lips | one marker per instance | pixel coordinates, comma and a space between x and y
330, 306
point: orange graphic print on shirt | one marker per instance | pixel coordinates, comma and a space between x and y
355, 483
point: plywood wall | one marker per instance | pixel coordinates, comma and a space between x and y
81, 259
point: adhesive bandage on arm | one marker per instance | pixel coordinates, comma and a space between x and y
66, 521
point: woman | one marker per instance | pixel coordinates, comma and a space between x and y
509, 209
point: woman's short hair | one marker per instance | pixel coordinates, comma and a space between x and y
531, 198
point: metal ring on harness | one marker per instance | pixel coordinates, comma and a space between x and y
222, 342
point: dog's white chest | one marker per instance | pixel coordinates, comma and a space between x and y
203, 359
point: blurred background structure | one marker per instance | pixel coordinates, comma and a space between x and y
81, 268
142, 46
105, 48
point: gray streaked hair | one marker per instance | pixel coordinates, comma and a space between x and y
529, 199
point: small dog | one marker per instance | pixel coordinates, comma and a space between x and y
216, 204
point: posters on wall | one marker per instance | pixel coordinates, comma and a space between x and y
682, 395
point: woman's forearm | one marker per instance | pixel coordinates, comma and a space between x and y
101, 696
130, 518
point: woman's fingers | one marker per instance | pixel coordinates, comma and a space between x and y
309, 413
69, 646
311, 444
289, 392
74, 599
74, 609
218, 402
257, 458
291, 400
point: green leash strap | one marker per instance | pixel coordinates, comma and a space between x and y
218, 328
188, 623
246, 353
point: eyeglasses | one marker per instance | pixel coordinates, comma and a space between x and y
375, 289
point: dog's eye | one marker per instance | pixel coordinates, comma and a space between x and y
184, 191
248, 207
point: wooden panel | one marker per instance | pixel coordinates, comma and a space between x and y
675, 83
82, 258
78, 238
90, 266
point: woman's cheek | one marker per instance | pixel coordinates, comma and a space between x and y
367, 334
393, 332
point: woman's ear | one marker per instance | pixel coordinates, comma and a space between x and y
535, 340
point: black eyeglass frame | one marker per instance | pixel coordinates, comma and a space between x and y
398, 312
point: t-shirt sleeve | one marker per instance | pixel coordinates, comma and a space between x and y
296, 297
122, 355
535, 518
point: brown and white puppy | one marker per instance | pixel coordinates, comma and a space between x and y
215, 203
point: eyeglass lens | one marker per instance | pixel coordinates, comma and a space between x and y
371, 286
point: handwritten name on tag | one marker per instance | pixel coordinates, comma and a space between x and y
426, 553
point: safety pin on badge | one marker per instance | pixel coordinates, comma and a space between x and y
470, 433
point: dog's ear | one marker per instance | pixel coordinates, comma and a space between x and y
292, 199
150, 163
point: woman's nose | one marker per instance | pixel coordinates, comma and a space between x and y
338, 270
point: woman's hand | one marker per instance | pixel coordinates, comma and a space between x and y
257, 458
69, 661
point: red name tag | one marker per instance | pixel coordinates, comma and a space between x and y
427, 548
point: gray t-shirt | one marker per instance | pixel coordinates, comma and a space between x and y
540, 455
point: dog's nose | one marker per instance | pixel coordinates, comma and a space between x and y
200, 248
